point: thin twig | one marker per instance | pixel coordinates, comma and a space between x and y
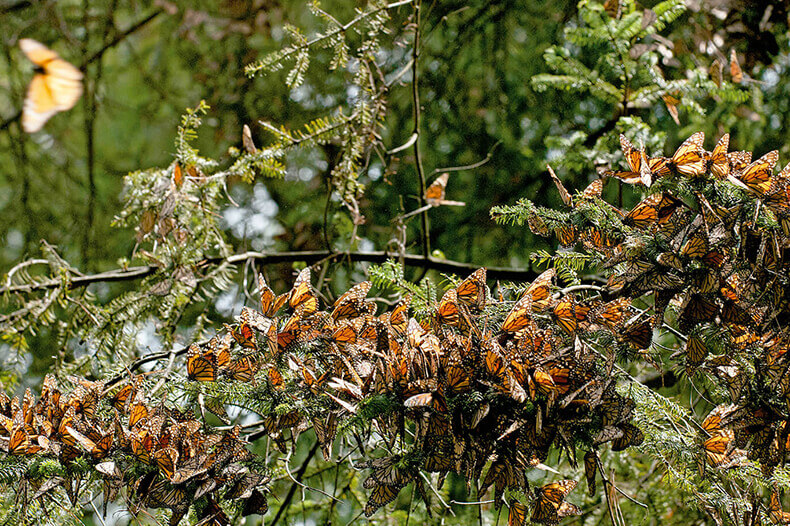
472, 166
292, 490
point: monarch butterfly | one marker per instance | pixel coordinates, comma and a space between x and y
138, 414
517, 515
739, 160
718, 162
600, 240
520, 316
399, 317
457, 379
758, 176
616, 409
550, 505
472, 290
19, 442
270, 303
201, 367
775, 511
351, 304
98, 449
697, 309
689, 158
302, 294
632, 436
540, 290
255, 504
696, 351
385, 471
381, 496
166, 459
124, 395
447, 312
642, 169
591, 470
715, 72
612, 313
544, 383
243, 369
325, 431
565, 314
346, 334
696, 247
164, 495
495, 365
434, 194
537, 226
566, 235
564, 194
644, 213
246, 140
639, 335
142, 445
593, 190
56, 86
735, 68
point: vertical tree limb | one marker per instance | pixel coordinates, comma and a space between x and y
415, 92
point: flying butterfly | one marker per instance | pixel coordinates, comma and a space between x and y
56, 86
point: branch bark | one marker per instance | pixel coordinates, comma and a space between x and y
314, 256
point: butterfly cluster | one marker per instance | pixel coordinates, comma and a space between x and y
478, 389
704, 253
163, 457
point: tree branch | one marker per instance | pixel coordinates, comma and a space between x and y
313, 256
415, 93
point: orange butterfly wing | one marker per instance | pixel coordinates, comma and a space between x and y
57, 88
